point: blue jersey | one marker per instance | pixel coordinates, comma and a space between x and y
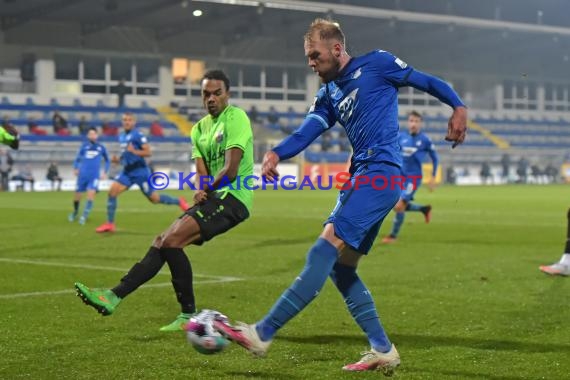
364, 100
414, 149
131, 161
88, 160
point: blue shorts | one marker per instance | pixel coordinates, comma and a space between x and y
136, 177
409, 188
359, 213
87, 183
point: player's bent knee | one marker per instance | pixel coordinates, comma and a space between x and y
157, 242
172, 240
329, 235
349, 257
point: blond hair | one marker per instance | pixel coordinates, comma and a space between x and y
326, 29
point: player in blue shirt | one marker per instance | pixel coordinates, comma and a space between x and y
87, 168
361, 93
415, 145
135, 148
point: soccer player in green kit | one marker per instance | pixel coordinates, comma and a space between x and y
222, 146
9, 136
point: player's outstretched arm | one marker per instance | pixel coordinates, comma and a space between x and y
269, 166
292, 145
457, 126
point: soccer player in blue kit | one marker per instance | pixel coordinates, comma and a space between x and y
415, 145
135, 148
362, 94
87, 168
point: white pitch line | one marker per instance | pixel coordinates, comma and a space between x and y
97, 267
210, 279
70, 291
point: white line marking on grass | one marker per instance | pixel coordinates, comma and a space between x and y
208, 279
97, 267
70, 291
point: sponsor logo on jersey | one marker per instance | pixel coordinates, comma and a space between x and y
91, 154
408, 151
346, 107
357, 73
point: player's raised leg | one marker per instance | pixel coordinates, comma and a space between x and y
424, 209
562, 267
348, 234
257, 337
155, 197
106, 300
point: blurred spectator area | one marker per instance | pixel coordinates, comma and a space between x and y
34, 121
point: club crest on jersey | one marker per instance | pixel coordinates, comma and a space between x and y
219, 137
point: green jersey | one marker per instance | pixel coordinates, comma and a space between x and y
211, 137
5, 137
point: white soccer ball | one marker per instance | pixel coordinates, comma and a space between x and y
201, 334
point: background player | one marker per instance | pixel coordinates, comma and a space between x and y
135, 148
562, 267
362, 94
87, 168
415, 144
9, 136
222, 148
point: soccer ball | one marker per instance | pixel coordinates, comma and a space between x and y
201, 334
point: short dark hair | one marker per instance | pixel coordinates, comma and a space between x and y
217, 75
416, 114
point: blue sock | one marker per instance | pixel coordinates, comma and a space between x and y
167, 199
414, 207
361, 305
397, 224
111, 208
87, 210
320, 261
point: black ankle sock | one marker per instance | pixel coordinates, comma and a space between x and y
182, 281
140, 273
75, 206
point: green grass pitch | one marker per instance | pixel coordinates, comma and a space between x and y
462, 297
